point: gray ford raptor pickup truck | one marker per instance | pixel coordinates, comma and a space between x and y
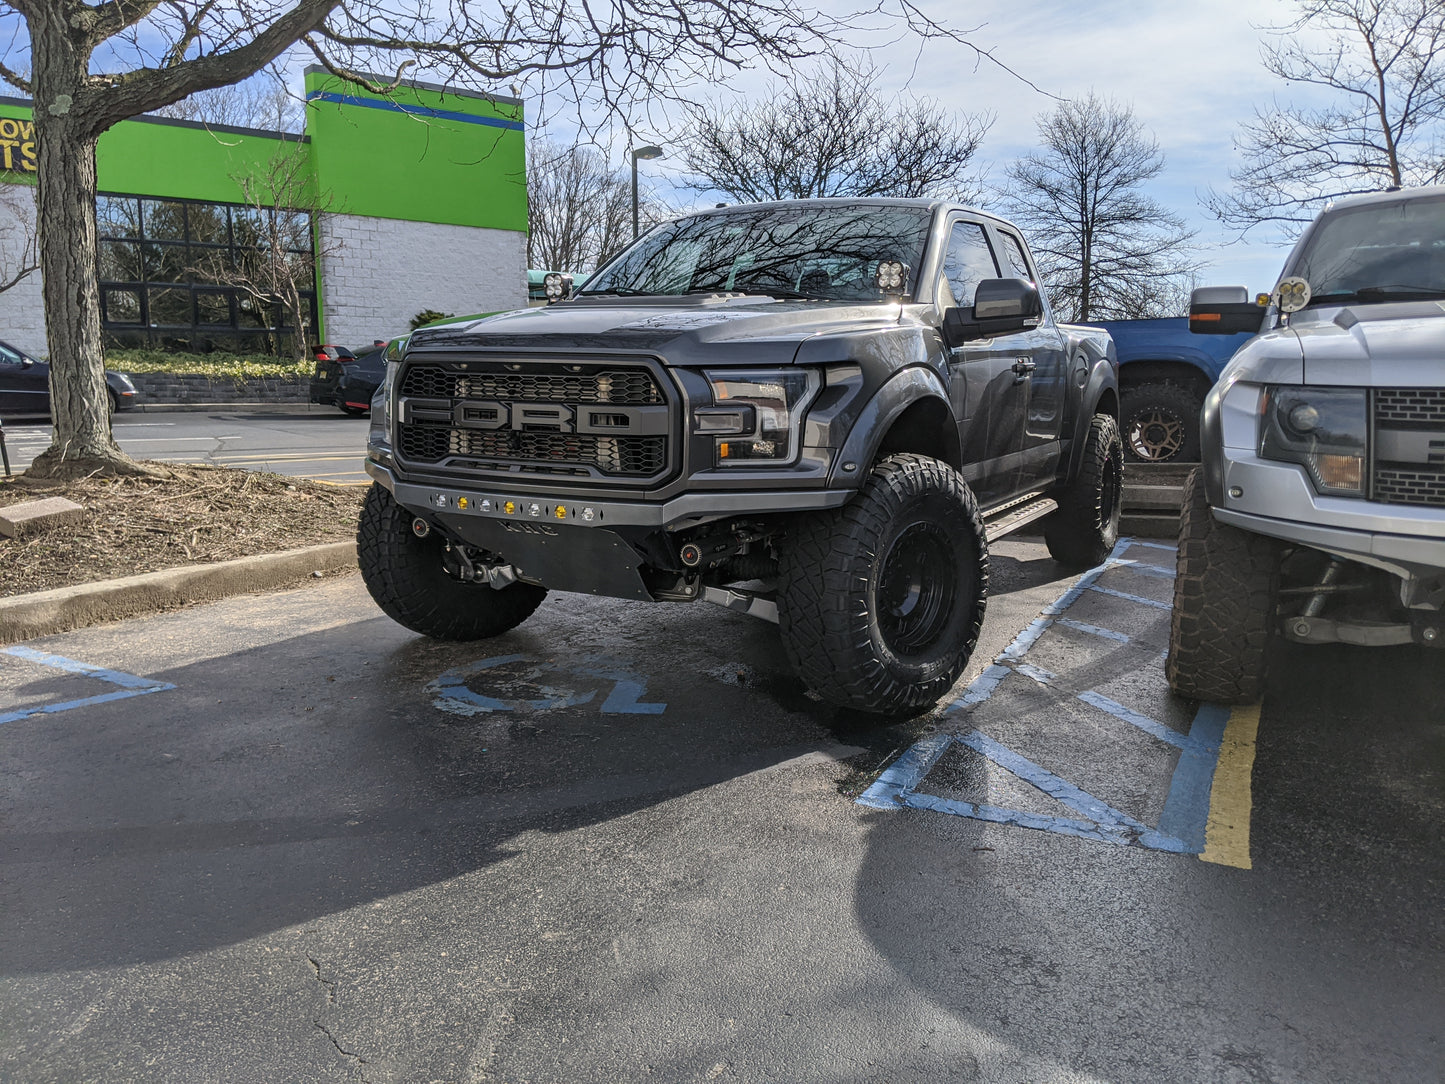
1319, 509
817, 412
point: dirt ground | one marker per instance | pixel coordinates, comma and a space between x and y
197, 515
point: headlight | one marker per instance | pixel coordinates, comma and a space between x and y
1323, 429
758, 414
379, 432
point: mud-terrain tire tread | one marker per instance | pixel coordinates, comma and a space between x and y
406, 577
1082, 533
1174, 398
828, 632
1225, 585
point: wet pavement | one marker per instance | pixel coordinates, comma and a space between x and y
281, 838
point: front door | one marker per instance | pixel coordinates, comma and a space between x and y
989, 378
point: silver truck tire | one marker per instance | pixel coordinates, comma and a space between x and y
408, 580
1082, 533
881, 601
1225, 586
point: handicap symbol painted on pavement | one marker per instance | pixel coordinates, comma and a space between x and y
564, 687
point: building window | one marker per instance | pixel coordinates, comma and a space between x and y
189, 275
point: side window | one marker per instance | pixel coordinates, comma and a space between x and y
8, 356
967, 262
1013, 255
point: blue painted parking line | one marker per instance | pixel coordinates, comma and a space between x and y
1183, 820
129, 684
1129, 715
1140, 599
1094, 630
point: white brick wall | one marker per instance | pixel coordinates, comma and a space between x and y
22, 311
377, 273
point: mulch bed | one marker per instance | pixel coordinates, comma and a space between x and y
195, 515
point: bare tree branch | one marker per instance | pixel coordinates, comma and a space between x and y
1385, 63
832, 134
1104, 248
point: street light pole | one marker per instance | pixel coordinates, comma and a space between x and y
647, 154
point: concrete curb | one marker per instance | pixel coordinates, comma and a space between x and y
24, 617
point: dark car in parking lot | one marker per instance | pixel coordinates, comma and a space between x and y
348, 379
25, 386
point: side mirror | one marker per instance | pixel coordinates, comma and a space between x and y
1000, 307
1223, 310
25, 362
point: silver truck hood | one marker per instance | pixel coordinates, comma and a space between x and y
1385, 346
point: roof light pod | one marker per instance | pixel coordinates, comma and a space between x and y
892, 277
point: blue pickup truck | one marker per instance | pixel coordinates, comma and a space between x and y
1164, 374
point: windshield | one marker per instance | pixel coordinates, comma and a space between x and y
827, 253
1391, 251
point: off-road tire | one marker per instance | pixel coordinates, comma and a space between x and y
1225, 587
913, 535
1160, 423
1082, 533
406, 577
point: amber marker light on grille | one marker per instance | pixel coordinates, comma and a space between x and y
722, 450
561, 512
509, 507
1340, 471
462, 503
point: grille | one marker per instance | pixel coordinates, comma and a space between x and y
625, 387
641, 456
1411, 405
542, 448
1410, 486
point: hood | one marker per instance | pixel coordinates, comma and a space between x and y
1271, 357
681, 330
1398, 345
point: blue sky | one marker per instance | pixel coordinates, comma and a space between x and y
1191, 72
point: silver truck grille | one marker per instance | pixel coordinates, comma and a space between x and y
1409, 446
603, 421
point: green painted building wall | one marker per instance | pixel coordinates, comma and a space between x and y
421, 153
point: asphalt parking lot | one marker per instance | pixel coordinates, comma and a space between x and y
281, 838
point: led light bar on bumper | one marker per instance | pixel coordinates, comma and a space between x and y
757, 414
1324, 430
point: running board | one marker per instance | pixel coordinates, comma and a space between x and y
1011, 517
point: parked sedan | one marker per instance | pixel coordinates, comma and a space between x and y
25, 386
348, 380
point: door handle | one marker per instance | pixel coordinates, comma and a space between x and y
1022, 367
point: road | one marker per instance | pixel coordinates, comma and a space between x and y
325, 446
281, 838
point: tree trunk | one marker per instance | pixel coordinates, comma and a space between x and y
65, 220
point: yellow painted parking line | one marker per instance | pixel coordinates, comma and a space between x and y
1226, 836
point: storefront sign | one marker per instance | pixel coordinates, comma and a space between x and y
17, 145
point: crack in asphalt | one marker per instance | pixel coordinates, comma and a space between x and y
330, 987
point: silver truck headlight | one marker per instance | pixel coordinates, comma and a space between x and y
1325, 430
757, 414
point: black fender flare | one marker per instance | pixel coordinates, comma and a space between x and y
914, 385
1101, 385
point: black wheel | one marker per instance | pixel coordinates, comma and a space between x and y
1082, 533
1160, 423
352, 412
1224, 604
881, 601
114, 400
407, 578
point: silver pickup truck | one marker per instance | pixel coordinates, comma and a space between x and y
1319, 510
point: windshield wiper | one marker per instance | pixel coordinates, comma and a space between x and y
1372, 293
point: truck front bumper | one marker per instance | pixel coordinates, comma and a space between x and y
586, 544
1277, 499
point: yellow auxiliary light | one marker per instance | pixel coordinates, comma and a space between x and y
509, 507
561, 511
462, 502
